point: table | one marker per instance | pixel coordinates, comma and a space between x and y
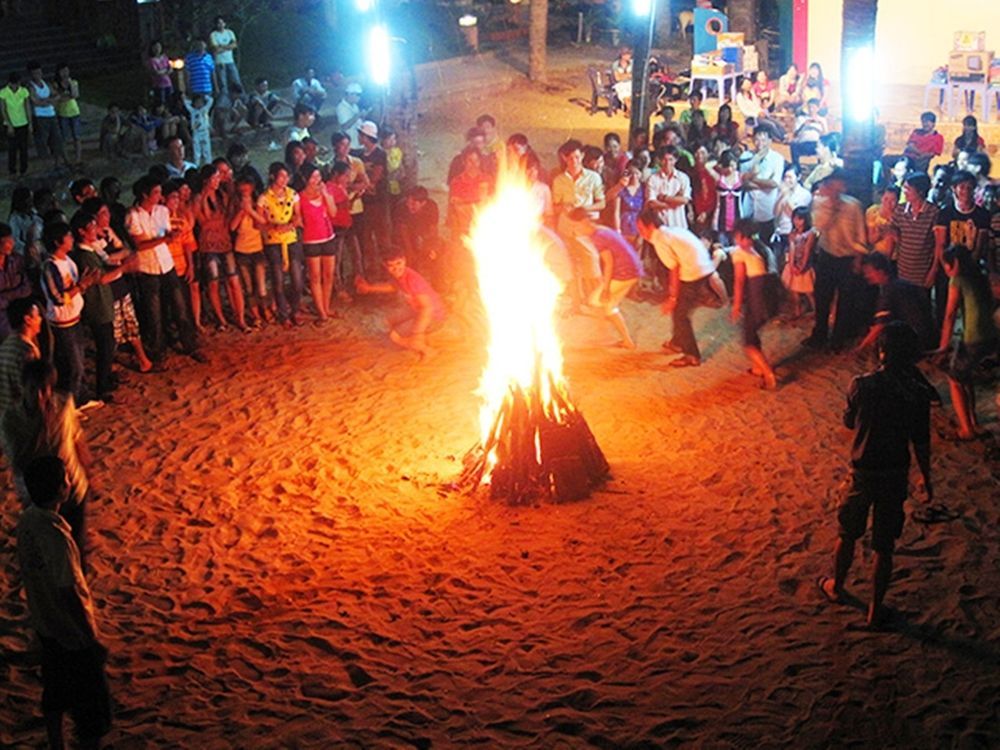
942, 95
720, 82
970, 87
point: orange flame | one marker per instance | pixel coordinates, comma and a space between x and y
520, 295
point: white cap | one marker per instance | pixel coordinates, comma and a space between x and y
353, 88
369, 128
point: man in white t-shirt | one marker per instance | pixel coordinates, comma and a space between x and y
350, 115
148, 224
693, 283
669, 190
761, 180
309, 91
223, 42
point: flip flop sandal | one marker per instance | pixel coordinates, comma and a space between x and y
685, 361
821, 585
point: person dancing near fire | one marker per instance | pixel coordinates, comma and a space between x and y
422, 311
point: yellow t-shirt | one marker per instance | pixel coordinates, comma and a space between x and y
394, 169
68, 107
879, 229
15, 104
279, 209
248, 237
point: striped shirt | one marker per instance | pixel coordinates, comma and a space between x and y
200, 66
915, 249
15, 353
61, 308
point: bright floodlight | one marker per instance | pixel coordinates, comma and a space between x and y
378, 55
467, 20
642, 7
364, 5
860, 84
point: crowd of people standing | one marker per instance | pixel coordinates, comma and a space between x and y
689, 215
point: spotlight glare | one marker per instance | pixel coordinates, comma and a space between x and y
378, 55
861, 83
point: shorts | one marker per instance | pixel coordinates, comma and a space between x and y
618, 289
126, 322
70, 127
74, 682
754, 310
884, 493
250, 260
966, 358
320, 249
214, 266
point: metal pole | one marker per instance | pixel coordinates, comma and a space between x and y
642, 43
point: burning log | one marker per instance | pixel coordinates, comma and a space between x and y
535, 452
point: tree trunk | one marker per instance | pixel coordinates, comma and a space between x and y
743, 17
859, 134
538, 31
664, 23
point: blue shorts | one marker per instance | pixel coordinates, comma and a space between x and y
214, 266
70, 128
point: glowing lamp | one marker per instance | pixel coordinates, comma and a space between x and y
467, 20
177, 63
378, 55
860, 84
364, 6
642, 8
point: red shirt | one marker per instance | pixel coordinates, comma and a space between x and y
411, 284
704, 193
339, 195
927, 143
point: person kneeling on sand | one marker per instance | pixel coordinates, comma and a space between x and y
423, 312
888, 410
694, 281
621, 268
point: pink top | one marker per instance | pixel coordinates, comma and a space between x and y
159, 72
316, 226
412, 285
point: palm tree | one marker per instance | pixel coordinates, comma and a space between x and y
859, 134
538, 30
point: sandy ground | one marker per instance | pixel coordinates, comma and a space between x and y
276, 564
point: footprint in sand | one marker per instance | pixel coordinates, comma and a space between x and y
109, 534
199, 606
246, 670
359, 677
229, 535
157, 602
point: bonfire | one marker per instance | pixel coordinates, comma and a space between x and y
534, 443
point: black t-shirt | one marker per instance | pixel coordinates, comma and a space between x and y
375, 159
888, 410
901, 300
422, 224
963, 228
